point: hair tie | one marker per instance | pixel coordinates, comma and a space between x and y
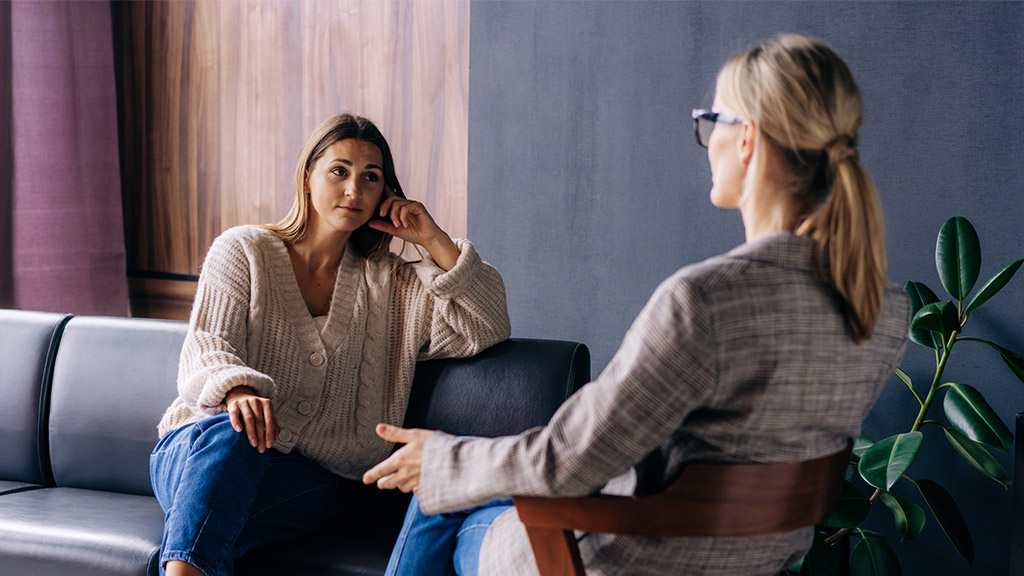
840, 149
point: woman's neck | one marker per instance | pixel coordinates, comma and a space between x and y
767, 207
321, 251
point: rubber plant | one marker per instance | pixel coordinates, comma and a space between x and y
970, 427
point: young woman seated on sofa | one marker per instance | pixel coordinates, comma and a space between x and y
772, 352
303, 335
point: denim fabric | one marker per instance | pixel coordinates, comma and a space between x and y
442, 544
222, 497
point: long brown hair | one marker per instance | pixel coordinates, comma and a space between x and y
802, 97
293, 227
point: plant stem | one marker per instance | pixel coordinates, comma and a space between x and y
939, 369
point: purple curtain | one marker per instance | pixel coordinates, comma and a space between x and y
60, 191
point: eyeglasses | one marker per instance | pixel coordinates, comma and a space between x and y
704, 122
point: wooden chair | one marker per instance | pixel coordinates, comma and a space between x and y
708, 499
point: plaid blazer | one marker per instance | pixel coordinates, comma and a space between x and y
744, 357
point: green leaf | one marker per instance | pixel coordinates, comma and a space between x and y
969, 413
1013, 360
905, 377
887, 460
993, 286
958, 257
948, 515
939, 317
852, 509
908, 515
819, 561
976, 455
910, 384
920, 296
873, 557
862, 443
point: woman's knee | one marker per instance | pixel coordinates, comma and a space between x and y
217, 433
204, 446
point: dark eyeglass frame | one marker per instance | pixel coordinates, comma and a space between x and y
709, 120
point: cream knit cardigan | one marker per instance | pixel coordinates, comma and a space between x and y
250, 327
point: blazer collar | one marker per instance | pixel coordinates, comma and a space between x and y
784, 249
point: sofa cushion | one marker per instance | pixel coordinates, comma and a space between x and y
27, 344
113, 378
9, 487
60, 531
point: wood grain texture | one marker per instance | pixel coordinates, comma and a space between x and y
217, 98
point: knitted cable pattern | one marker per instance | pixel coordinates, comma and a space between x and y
249, 326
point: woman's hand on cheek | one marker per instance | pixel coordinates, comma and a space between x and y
402, 469
407, 220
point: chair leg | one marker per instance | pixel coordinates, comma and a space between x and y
556, 551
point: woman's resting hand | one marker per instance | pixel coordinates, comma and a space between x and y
253, 413
402, 469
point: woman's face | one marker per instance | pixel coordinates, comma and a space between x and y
727, 170
346, 185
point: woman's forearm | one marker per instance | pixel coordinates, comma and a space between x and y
443, 250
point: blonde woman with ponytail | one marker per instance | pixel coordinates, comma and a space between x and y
773, 352
802, 112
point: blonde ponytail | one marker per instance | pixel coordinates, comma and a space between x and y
802, 97
849, 232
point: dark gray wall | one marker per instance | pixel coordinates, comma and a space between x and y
586, 187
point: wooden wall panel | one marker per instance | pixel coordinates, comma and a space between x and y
217, 98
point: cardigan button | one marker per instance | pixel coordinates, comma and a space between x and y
285, 435
316, 359
304, 408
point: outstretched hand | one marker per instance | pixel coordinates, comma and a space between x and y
401, 470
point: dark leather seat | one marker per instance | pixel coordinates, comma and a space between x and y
112, 379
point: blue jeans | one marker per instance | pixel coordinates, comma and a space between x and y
442, 544
222, 498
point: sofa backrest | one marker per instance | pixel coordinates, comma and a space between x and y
113, 378
508, 388
27, 343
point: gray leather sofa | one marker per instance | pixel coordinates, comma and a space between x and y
79, 401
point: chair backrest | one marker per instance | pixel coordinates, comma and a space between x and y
28, 341
113, 379
508, 388
707, 500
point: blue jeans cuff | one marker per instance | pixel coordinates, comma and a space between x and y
168, 555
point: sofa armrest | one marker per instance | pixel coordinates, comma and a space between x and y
508, 388
28, 344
